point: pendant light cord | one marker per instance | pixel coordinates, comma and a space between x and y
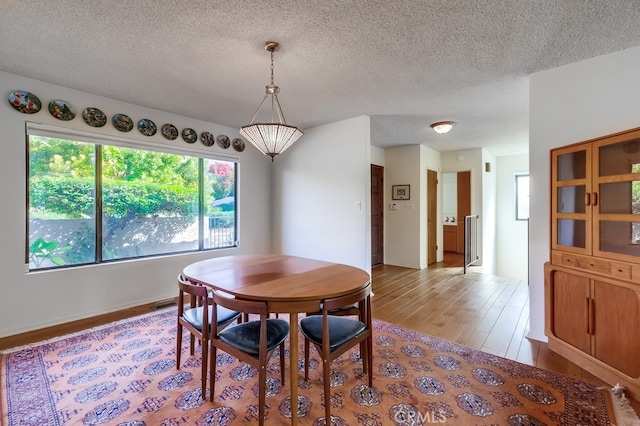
272, 68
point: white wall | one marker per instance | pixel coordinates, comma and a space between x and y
489, 229
450, 195
322, 195
377, 156
402, 227
60, 296
512, 237
573, 103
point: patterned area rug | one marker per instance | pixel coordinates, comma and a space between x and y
125, 374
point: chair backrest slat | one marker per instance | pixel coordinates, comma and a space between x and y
341, 301
239, 305
190, 288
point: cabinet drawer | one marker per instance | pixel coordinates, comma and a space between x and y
586, 263
600, 266
620, 270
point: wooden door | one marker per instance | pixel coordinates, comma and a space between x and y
377, 215
464, 205
432, 216
571, 309
617, 326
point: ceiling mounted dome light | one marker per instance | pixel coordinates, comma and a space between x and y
443, 126
275, 137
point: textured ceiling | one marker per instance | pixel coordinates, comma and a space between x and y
404, 63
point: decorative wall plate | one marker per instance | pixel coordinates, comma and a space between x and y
207, 139
94, 117
238, 144
25, 102
147, 127
62, 110
169, 131
122, 122
223, 141
189, 135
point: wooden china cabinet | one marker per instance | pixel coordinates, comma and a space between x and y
592, 282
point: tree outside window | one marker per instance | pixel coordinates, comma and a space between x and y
137, 203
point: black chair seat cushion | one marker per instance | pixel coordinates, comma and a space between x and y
246, 336
341, 329
194, 316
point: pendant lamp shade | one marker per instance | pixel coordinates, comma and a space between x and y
271, 138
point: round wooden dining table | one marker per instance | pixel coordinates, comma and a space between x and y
288, 284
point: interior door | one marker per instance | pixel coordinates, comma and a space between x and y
432, 216
377, 215
464, 206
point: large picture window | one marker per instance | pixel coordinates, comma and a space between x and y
93, 202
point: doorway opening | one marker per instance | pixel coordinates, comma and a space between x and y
456, 205
377, 215
432, 216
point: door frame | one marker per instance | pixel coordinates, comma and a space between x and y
432, 217
377, 210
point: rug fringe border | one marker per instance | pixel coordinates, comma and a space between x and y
624, 413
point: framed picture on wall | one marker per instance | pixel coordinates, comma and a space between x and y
400, 192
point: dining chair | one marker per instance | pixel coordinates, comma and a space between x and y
197, 319
349, 310
332, 335
252, 342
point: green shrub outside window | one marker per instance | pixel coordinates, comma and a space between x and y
91, 203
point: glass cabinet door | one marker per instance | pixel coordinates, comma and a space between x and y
571, 199
617, 212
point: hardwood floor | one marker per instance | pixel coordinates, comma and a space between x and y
481, 311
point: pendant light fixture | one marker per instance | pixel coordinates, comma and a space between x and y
275, 137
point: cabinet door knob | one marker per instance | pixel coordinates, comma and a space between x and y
587, 199
595, 198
